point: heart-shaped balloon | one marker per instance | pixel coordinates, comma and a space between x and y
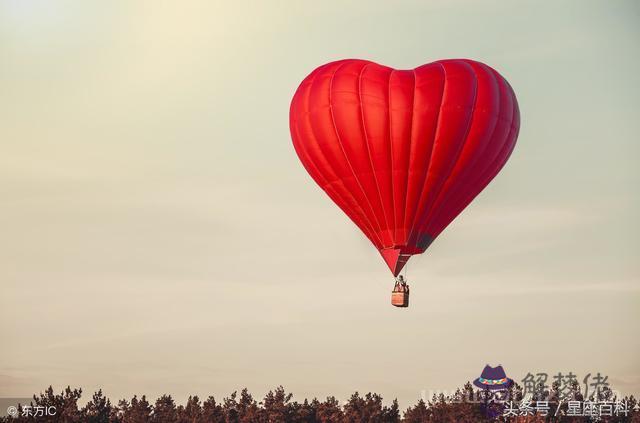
403, 152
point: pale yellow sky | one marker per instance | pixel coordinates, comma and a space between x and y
155, 220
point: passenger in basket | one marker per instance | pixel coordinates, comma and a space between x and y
401, 284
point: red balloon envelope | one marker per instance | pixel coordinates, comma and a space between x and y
403, 152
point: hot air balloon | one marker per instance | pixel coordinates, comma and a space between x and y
403, 152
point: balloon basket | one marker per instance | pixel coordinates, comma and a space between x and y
400, 299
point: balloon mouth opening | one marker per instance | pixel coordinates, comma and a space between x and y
395, 259
397, 256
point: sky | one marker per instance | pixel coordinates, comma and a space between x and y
159, 234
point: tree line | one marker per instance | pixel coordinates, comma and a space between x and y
467, 404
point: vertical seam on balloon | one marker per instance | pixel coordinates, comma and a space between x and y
406, 197
433, 144
456, 195
365, 218
433, 211
326, 186
508, 134
484, 179
366, 138
335, 129
492, 171
393, 189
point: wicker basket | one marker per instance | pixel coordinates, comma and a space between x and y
400, 299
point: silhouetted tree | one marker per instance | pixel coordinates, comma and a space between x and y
138, 411
329, 411
391, 414
276, 406
191, 412
164, 410
230, 408
370, 409
305, 412
213, 412
99, 410
247, 407
418, 413
65, 403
